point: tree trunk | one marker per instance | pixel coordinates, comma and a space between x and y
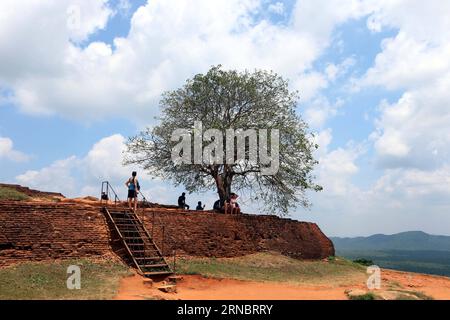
223, 183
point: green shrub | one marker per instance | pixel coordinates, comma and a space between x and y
364, 262
366, 296
12, 194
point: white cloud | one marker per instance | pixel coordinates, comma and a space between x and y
323, 140
336, 166
412, 132
74, 174
334, 71
124, 7
277, 8
319, 17
408, 63
399, 200
168, 42
35, 36
104, 160
409, 184
336, 169
80, 176
319, 110
58, 177
7, 151
426, 21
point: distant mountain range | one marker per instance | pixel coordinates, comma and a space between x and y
411, 240
413, 251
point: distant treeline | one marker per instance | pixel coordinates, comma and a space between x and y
431, 262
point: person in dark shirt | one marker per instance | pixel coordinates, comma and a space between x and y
218, 206
199, 206
182, 202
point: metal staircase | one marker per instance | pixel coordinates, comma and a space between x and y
136, 240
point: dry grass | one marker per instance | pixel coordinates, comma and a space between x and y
12, 194
47, 281
276, 267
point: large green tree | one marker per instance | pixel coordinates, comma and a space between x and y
238, 100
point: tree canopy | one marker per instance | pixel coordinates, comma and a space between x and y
249, 103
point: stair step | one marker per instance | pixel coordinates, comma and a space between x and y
139, 247
122, 214
157, 273
124, 220
159, 265
130, 231
119, 216
145, 241
142, 251
147, 254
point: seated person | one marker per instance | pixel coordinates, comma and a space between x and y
234, 205
218, 206
231, 205
199, 206
182, 202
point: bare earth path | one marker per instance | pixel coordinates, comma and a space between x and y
199, 288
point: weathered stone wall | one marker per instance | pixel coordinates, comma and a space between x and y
33, 231
219, 235
31, 192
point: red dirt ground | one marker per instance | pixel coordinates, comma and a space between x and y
199, 288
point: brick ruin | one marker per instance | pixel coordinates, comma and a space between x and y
35, 231
48, 230
218, 235
31, 192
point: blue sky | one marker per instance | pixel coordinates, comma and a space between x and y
372, 79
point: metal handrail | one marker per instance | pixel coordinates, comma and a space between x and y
145, 202
106, 193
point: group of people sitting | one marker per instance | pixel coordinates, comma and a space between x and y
229, 206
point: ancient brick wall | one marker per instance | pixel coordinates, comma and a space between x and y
33, 231
210, 234
32, 192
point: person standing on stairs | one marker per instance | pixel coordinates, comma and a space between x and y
133, 188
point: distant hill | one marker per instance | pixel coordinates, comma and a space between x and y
413, 251
411, 240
